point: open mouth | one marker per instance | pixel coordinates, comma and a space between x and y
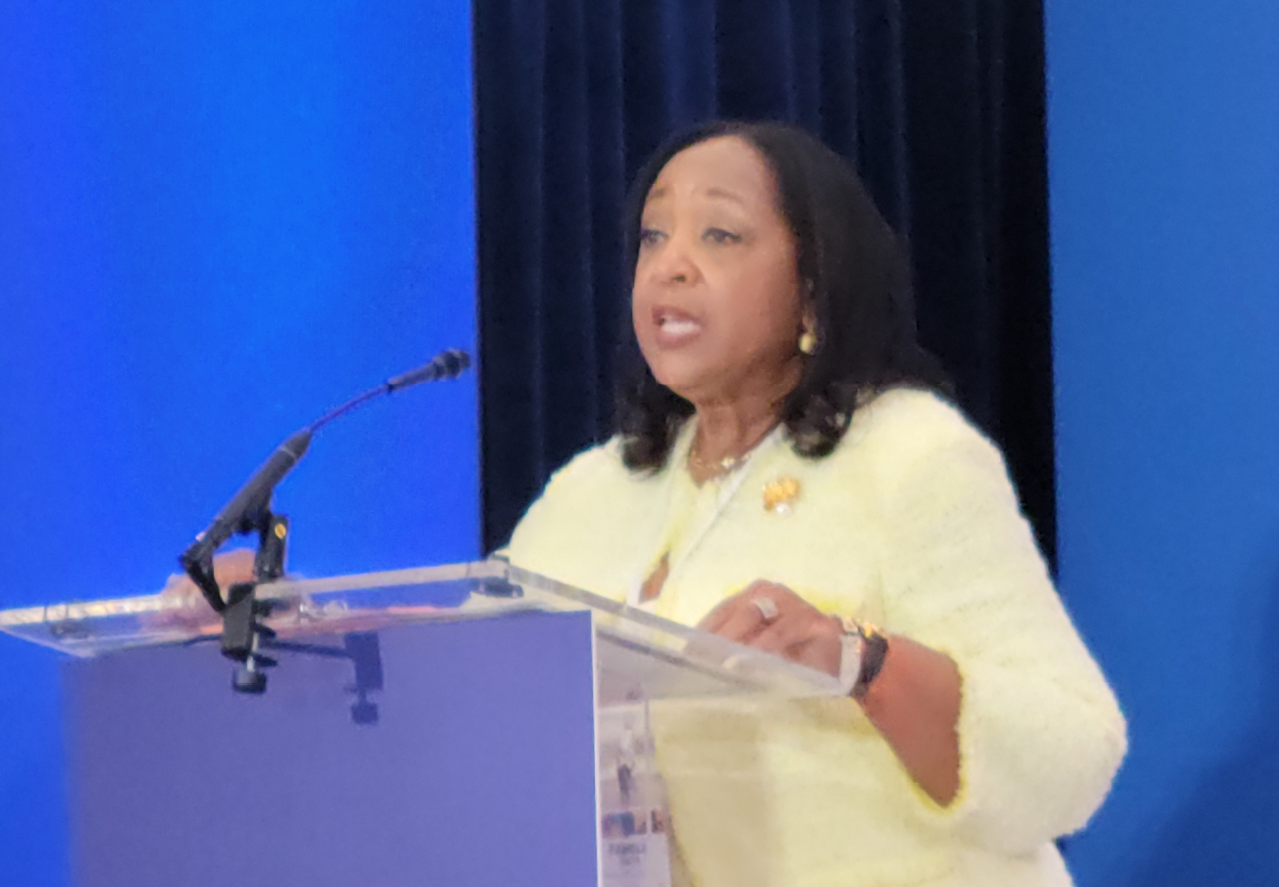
675, 326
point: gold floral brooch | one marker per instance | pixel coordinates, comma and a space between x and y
780, 495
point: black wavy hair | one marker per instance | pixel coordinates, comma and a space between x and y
860, 295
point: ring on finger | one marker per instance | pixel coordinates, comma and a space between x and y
767, 607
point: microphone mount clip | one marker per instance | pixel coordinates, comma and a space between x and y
243, 612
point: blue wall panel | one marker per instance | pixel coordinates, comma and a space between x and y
216, 221
1164, 159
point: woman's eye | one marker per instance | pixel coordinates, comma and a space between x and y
649, 236
719, 235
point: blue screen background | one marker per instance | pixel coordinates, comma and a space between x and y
216, 222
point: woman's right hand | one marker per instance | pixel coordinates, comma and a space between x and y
185, 605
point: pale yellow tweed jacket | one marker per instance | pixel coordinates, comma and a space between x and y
911, 522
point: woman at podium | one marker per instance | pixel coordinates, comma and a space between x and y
789, 472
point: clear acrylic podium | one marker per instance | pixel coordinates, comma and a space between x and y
469, 724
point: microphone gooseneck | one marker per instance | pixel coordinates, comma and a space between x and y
242, 513
445, 365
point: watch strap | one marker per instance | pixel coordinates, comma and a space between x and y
865, 648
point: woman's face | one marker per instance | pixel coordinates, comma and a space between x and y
717, 302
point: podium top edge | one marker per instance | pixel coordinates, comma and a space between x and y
141, 605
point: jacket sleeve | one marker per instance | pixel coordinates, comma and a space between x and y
575, 528
1041, 735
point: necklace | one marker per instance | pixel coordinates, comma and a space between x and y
699, 525
724, 466
728, 464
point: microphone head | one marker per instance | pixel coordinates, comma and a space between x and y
453, 363
445, 365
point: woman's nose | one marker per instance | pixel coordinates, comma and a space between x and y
674, 263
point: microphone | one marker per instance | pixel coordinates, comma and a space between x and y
445, 365
241, 513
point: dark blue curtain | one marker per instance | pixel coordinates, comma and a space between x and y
938, 103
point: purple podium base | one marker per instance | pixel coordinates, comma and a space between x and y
473, 764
